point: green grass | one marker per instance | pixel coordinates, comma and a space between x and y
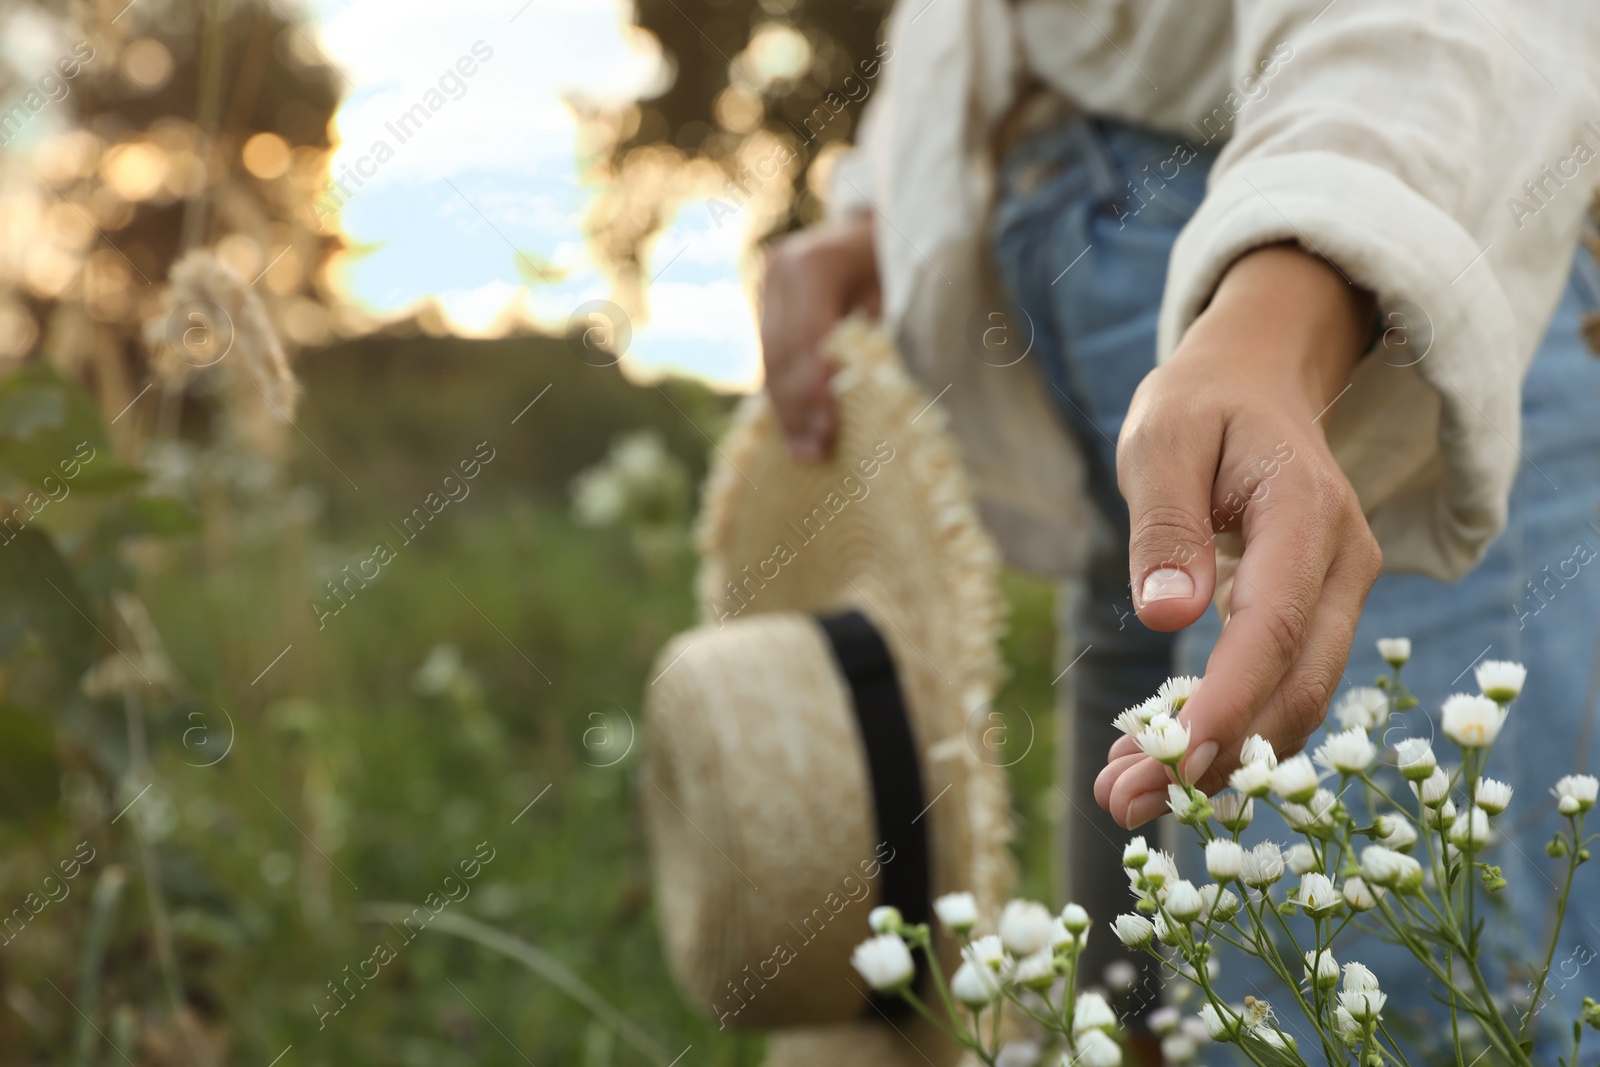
349, 783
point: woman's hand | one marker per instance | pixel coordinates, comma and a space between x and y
1226, 438
814, 278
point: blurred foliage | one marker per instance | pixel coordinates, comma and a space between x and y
753, 86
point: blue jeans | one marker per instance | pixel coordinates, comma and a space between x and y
1534, 598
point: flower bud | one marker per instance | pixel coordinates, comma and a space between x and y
884, 920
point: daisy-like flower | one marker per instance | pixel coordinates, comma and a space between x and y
1075, 918
1160, 869
1302, 859
1179, 1050
975, 985
884, 920
885, 962
1177, 691
1252, 779
1415, 758
1218, 1026
1395, 650
1274, 1038
1061, 937
1500, 679
1263, 865
1036, 971
1183, 901
1350, 1032
1091, 1012
1135, 853
1358, 978
1471, 829
1164, 1020
1576, 792
1395, 831
1348, 752
1472, 721
957, 911
1316, 893
1363, 1004
1165, 740
1233, 810
1492, 795
1135, 931
1258, 749
1129, 722
1322, 970
1025, 927
1359, 895
1185, 808
987, 951
1095, 1049
1217, 904
1295, 779
1390, 869
1224, 859
1434, 789
1362, 708
1442, 817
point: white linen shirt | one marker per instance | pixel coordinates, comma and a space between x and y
1439, 152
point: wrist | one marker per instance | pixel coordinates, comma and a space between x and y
1282, 314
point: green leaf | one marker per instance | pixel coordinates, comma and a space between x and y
51, 438
30, 776
40, 595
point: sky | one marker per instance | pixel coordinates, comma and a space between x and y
465, 207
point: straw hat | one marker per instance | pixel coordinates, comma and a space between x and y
808, 752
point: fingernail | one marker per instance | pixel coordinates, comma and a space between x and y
1167, 583
1144, 807
1199, 761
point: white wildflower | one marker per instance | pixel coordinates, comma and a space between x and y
1472, 830
957, 911
1348, 752
1258, 749
1359, 895
1177, 691
1263, 865
1233, 810
1577, 792
1091, 1012
1302, 859
1362, 708
1316, 893
1472, 721
1217, 904
1322, 969
1434, 789
1218, 1026
1295, 779
1165, 740
1252, 779
1075, 918
1036, 971
988, 951
1501, 680
1224, 858
1395, 831
1025, 927
1095, 1049
884, 920
1393, 870
885, 962
1415, 758
1492, 795
1135, 931
1135, 853
975, 985
1183, 901
1185, 808
1395, 650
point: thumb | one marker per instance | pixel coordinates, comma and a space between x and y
1167, 482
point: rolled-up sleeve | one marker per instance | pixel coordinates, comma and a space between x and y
1395, 140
